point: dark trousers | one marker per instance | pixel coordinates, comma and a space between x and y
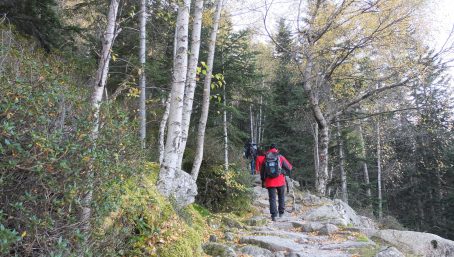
281, 200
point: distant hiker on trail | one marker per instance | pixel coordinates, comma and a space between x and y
272, 173
250, 152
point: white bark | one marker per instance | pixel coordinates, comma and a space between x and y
342, 163
380, 200
226, 138
364, 164
316, 151
100, 83
162, 130
191, 77
206, 94
251, 121
142, 82
259, 140
169, 164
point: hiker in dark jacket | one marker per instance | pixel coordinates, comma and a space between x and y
250, 152
275, 182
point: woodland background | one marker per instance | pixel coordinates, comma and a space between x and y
353, 98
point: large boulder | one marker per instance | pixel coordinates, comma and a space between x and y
178, 185
419, 243
338, 213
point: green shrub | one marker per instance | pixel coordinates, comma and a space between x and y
224, 191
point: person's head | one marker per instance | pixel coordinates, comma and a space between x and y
273, 145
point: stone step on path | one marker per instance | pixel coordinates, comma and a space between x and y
289, 236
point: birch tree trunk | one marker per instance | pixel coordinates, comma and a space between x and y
206, 94
380, 200
142, 57
364, 164
226, 138
323, 125
100, 83
169, 164
162, 130
191, 77
260, 122
342, 162
251, 121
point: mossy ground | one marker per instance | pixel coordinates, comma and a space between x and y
144, 223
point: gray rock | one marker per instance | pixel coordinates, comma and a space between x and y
312, 200
389, 252
425, 244
179, 186
328, 229
279, 254
256, 251
231, 222
318, 254
272, 243
256, 221
213, 238
220, 250
299, 237
308, 226
347, 245
229, 236
337, 213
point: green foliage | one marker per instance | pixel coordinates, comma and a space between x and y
224, 191
45, 147
135, 220
39, 19
7, 238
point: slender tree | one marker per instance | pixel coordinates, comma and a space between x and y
169, 164
206, 94
142, 80
191, 77
343, 175
100, 82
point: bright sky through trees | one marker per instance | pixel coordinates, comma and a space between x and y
438, 17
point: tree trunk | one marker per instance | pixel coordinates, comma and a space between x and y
342, 162
316, 149
322, 173
364, 164
100, 83
169, 164
191, 77
251, 121
142, 57
323, 156
162, 130
260, 122
380, 200
206, 94
226, 139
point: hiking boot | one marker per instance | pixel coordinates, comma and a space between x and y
273, 218
281, 215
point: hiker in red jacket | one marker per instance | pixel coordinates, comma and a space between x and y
272, 173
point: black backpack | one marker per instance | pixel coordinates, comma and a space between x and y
272, 165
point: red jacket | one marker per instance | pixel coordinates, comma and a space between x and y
279, 180
259, 163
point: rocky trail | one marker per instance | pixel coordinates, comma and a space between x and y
318, 227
